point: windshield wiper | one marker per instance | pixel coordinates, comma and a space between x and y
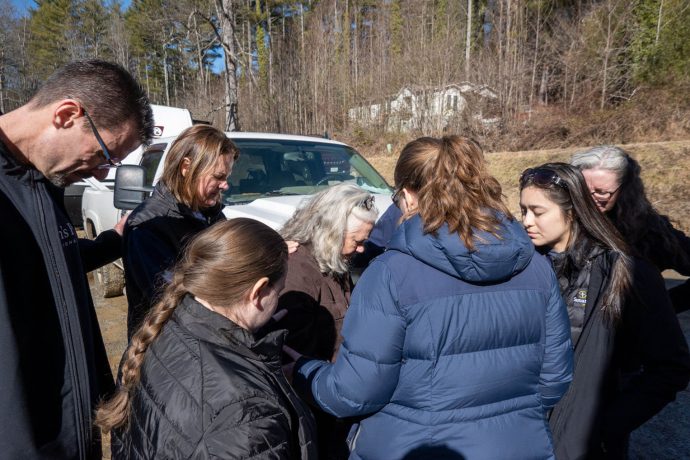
279, 192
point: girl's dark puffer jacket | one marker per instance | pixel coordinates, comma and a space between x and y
209, 389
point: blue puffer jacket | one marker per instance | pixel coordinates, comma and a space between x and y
451, 353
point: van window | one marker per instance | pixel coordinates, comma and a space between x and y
150, 160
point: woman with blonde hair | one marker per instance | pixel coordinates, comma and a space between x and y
456, 340
196, 382
186, 200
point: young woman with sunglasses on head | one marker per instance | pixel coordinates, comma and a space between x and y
630, 354
456, 342
613, 178
197, 381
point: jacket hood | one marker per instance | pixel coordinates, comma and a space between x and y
492, 259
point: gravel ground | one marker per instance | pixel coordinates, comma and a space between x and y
666, 436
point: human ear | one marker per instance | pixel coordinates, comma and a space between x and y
66, 113
184, 166
411, 200
258, 292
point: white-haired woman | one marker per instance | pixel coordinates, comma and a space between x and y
330, 229
614, 181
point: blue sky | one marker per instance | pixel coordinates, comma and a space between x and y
23, 5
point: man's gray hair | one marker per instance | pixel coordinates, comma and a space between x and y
607, 157
324, 220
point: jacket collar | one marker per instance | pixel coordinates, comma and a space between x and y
218, 330
165, 196
10, 166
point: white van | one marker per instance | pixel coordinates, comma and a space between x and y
273, 175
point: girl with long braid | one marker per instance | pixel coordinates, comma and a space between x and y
195, 380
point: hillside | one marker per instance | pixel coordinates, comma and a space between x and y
665, 171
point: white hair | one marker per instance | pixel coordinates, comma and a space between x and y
324, 220
608, 157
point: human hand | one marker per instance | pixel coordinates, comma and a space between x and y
292, 353
280, 314
120, 225
292, 246
289, 368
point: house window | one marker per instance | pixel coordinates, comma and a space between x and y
455, 103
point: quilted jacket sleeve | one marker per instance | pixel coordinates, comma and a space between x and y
254, 428
557, 367
367, 367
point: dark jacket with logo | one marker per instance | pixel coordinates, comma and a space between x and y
210, 389
623, 375
53, 365
154, 237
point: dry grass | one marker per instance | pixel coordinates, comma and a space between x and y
665, 171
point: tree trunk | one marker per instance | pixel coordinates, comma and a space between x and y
468, 39
226, 13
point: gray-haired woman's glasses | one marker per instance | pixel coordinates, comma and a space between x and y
111, 163
602, 195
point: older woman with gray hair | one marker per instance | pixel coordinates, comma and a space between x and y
330, 229
614, 181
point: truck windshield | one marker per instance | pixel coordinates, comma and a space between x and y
269, 167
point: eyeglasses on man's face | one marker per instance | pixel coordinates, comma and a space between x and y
110, 162
604, 195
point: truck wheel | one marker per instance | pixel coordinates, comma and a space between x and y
109, 280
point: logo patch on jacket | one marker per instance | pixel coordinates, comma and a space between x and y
580, 298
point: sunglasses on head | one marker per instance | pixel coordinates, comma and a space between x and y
367, 203
541, 177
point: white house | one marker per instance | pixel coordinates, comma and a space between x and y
425, 108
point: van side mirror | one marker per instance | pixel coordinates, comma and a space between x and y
130, 188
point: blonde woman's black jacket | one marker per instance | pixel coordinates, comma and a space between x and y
53, 365
623, 375
210, 389
154, 237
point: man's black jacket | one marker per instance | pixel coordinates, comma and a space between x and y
53, 365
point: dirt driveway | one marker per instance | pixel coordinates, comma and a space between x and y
666, 436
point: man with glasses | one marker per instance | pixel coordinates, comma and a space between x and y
53, 366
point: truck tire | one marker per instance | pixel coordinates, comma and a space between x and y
109, 280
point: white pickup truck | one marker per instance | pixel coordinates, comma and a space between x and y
272, 176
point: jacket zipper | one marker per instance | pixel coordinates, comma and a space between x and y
70, 349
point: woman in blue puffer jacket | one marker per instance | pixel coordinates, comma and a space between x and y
457, 341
